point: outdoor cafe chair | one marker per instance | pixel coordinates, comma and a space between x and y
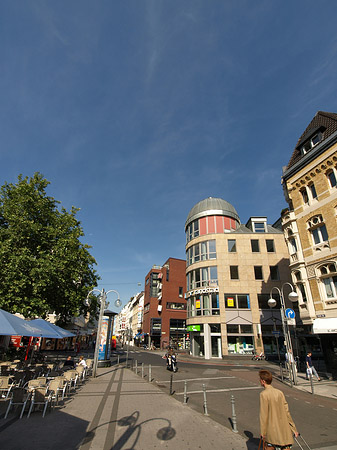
40, 396
19, 396
6, 384
42, 381
81, 373
34, 384
18, 378
55, 388
63, 385
71, 376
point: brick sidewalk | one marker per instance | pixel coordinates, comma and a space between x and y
117, 410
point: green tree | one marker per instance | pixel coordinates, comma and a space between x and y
44, 266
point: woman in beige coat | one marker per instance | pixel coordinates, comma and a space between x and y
276, 424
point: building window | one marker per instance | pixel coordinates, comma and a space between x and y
293, 245
317, 229
155, 326
231, 245
201, 252
255, 245
332, 178
328, 274
234, 272
204, 276
313, 192
246, 329
192, 230
154, 284
308, 145
270, 245
237, 301
233, 329
305, 196
300, 286
258, 273
181, 291
178, 325
259, 227
330, 285
319, 234
171, 305
203, 305
274, 273
263, 300
239, 329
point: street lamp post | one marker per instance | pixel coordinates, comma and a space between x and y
293, 297
103, 304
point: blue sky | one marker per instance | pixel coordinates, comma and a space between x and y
136, 110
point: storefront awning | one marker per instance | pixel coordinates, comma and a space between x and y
325, 326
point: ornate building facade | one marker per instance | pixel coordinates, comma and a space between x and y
310, 229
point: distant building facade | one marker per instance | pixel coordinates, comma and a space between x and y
230, 271
164, 317
310, 228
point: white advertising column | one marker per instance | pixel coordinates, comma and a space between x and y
207, 341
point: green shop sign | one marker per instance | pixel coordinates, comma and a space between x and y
193, 328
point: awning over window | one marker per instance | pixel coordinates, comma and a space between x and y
325, 326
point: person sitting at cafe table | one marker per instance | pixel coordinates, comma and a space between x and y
82, 362
69, 363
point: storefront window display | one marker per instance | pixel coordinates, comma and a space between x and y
241, 345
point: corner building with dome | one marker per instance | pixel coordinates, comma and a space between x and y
230, 271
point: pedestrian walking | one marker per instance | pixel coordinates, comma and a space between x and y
276, 424
310, 367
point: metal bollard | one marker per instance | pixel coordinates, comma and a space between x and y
235, 429
281, 371
311, 382
185, 392
118, 359
150, 373
205, 400
136, 367
171, 384
142, 370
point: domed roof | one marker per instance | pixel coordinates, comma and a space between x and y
212, 207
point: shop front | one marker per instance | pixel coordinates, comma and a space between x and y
205, 340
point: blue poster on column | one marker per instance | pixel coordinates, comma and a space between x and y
103, 339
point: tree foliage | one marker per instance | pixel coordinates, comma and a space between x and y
44, 266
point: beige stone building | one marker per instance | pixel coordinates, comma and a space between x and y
310, 229
231, 269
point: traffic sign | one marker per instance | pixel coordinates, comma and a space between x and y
290, 313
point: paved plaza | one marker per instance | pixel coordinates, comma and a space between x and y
120, 410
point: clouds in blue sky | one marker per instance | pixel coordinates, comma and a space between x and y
137, 110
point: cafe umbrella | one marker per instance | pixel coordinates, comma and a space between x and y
11, 325
51, 328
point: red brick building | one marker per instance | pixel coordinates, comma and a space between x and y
164, 318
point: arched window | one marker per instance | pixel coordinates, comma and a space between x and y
328, 274
317, 229
300, 286
331, 175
